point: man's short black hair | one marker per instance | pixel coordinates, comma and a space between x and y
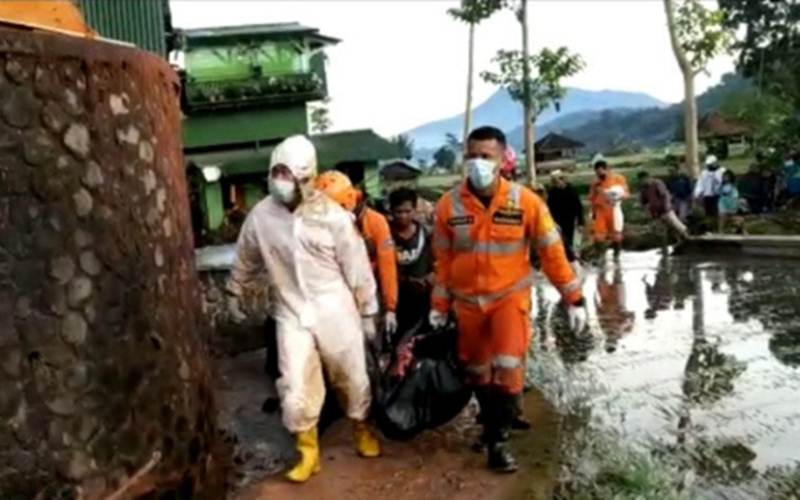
643, 175
600, 164
487, 134
402, 195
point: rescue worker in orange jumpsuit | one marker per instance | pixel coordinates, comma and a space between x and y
378, 237
605, 197
483, 230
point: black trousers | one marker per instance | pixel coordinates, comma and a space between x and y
711, 206
568, 237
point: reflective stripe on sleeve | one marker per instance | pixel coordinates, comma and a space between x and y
549, 238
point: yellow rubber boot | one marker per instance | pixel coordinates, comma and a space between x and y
367, 444
308, 446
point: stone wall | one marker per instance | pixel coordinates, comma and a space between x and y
236, 327
104, 377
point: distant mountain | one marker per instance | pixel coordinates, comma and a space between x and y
652, 127
503, 112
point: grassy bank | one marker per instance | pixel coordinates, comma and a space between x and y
601, 464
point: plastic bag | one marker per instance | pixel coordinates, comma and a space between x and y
422, 389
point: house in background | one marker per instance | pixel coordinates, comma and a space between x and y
721, 133
555, 151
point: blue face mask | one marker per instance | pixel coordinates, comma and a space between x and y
481, 173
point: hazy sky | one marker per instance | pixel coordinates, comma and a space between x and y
403, 63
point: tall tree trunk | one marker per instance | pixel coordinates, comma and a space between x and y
690, 125
526, 95
468, 110
689, 103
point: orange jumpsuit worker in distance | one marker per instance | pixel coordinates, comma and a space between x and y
482, 235
606, 194
378, 238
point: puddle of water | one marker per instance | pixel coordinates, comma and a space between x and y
683, 353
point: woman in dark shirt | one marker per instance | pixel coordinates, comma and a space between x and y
414, 260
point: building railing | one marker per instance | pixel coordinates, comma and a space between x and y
297, 87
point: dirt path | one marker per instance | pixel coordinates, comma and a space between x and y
438, 465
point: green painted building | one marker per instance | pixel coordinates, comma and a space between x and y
244, 89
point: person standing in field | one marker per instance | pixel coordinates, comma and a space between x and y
606, 195
655, 197
567, 211
680, 187
708, 185
728, 201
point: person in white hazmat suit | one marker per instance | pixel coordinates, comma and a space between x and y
325, 298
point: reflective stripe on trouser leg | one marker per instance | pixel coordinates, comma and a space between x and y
300, 386
511, 329
496, 339
508, 372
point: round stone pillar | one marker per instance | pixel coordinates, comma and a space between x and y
104, 377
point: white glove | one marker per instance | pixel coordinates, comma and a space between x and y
437, 320
390, 322
368, 326
614, 194
577, 318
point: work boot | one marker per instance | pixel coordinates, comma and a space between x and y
500, 459
308, 446
367, 444
520, 423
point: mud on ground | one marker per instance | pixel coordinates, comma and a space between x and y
438, 465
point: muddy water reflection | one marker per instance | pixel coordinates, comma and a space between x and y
684, 352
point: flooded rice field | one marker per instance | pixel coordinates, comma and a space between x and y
694, 362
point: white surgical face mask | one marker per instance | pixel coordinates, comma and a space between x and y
283, 190
481, 173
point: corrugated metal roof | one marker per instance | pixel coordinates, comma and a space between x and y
143, 23
265, 30
362, 145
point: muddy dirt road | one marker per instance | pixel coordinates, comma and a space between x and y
438, 465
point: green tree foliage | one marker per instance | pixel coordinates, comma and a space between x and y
545, 87
444, 157
765, 113
475, 11
769, 53
702, 33
405, 145
320, 117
